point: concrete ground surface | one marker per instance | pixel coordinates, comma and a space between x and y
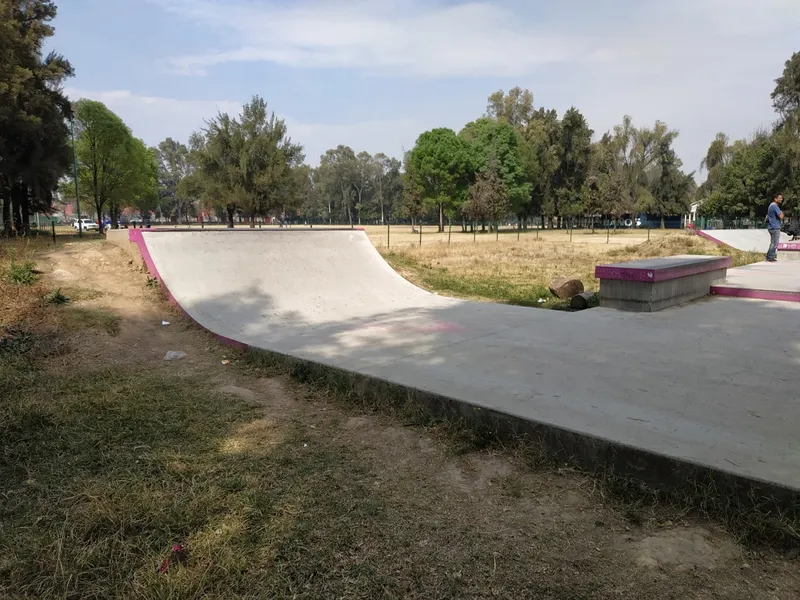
712, 383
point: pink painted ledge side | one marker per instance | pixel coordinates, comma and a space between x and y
645, 275
789, 246
135, 237
734, 292
709, 237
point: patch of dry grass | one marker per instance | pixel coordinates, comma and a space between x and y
519, 272
18, 303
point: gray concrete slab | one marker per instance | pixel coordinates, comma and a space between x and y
768, 281
711, 384
749, 240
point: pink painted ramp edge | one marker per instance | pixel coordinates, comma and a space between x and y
735, 292
135, 236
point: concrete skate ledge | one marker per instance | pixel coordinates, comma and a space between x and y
658, 283
653, 270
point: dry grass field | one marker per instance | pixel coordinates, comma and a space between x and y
519, 271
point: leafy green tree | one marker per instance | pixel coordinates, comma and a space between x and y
786, 95
672, 189
541, 158
574, 157
365, 172
442, 165
337, 170
488, 195
110, 163
34, 151
638, 151
499, 140
173, 167
604, 183
514, 107
247, 164
412, 204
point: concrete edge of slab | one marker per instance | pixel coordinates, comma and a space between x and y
600, 457
739, 292
614, 462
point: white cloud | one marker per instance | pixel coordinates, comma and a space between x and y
471, 39
480, 38
154, 118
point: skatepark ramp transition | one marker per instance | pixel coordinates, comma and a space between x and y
703, 389
747, 240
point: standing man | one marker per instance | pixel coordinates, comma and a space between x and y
774, 218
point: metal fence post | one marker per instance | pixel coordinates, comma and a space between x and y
53, 225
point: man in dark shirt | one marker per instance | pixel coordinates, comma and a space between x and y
774, 218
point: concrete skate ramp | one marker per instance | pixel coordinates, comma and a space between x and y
748, 240
710, 384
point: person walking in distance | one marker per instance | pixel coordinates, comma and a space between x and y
774, 218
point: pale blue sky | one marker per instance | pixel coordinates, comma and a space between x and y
374, 75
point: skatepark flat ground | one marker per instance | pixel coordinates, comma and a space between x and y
712, 383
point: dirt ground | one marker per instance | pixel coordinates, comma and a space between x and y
454, 525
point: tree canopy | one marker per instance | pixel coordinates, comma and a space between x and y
34, 148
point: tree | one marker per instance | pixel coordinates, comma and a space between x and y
34, 151
488, 196
672, 190
365, 172
247, 164
443, 165
541, 156
574, 157
604, 183
387, 183
337, 169
113, 166
500, 141
515, 108
173, 167
786, 95
412, 203
637, 149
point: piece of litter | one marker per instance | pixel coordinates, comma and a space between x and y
541, 300
164, 323
174, 355
226, 362
305, 445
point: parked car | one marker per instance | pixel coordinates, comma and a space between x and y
85, 225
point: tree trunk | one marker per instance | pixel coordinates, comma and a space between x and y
6, 195
441, 217
252, 221
25, 210
17, 191
229, 210
662, 221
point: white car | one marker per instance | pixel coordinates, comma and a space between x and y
85, 225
